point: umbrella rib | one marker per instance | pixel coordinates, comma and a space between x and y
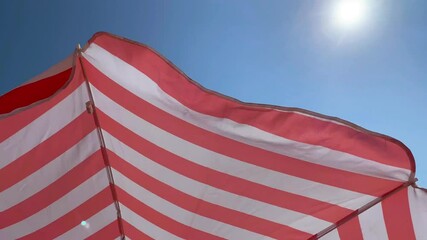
92, 110
362, 209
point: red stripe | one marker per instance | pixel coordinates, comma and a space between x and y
52, 192
161, 220
111, 231
15, 122
257, 156
201, 207
33, 92
397, 216
46, 151
351, 230
285, 122
322, 210
73, 218
134, 233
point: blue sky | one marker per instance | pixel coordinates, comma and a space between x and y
285, 53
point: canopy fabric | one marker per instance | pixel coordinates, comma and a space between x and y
403, 215
130, 147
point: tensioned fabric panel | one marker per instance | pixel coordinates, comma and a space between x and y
131, 147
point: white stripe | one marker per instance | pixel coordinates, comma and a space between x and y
181, 215
95, 223
145, 226
372, 223
332, 235
142, 86
57, 209
49, 173
63, 65
418, 207
44, 126
210, 159
302, 222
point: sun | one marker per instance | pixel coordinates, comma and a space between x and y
349, 14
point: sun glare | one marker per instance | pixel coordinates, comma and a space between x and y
349, 14
85, 224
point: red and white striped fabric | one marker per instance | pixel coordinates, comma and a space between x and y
159, 157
